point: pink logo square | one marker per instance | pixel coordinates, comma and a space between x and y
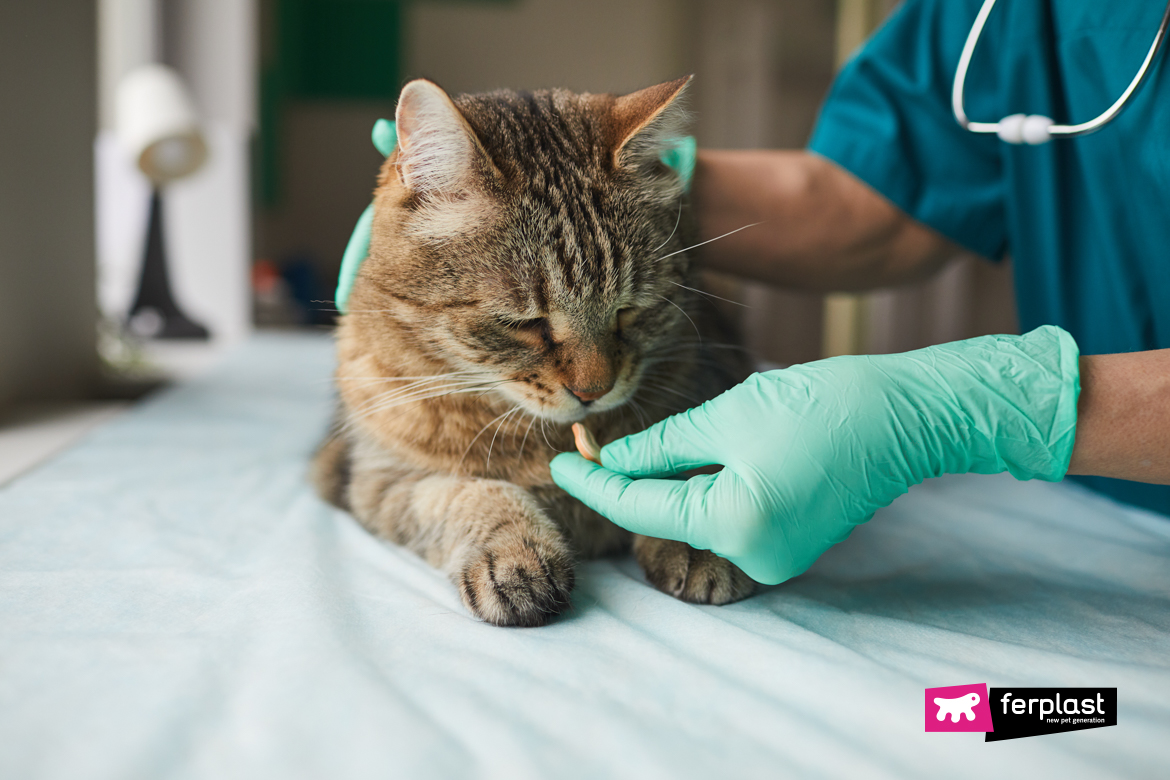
958, 708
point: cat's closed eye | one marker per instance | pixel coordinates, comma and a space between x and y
536, 329
626, 317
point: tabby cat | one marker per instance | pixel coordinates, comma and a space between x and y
527, 269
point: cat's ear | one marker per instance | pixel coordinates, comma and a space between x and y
438, 151
647, 121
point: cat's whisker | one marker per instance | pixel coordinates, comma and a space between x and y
629, 406
671, 369
493, 387
637, 409
487, 463
516, 428
679, 345
368, 381
459, 465
659, 403
676, 343
708, 241
677, 220
414, 385
711, 295
409, 393
525, 439
688, 397
452, 379
351, 424
381, 379
367, 411
452, 382
624, 408
420, 376
677, 360
676, 353
431, 393
693, 325
544, 433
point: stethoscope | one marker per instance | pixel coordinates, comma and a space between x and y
1035, 129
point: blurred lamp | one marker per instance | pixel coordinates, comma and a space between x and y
156, 124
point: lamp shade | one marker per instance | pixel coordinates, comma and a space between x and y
156, 123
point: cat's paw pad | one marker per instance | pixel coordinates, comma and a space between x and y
697, 576
517, 582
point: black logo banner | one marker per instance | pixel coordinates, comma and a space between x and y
1030, 712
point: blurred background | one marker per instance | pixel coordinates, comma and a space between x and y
284, 94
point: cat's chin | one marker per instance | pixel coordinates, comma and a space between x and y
563, 416
560, 409
568, 416
578, 413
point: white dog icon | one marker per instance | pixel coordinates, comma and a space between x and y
963, 704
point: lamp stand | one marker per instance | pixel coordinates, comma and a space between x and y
155, 314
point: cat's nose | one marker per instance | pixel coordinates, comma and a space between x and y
588, 395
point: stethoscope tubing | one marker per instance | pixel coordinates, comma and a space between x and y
1054, 130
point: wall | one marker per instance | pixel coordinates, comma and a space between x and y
47, 123
599, 46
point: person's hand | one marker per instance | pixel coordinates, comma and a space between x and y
811, 451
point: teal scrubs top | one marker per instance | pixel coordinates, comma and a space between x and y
1085, 220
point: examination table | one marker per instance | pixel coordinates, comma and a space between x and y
175, 602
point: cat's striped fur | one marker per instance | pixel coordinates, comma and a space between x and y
526, 271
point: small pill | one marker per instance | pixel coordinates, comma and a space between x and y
586, 444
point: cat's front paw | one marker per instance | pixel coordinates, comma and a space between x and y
698, 576
517, 580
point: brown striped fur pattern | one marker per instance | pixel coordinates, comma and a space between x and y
527, 270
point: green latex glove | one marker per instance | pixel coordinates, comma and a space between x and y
812, 451
385, 138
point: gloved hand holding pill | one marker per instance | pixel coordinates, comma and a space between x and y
812, 451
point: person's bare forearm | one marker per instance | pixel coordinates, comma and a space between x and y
1123, 417
822, 228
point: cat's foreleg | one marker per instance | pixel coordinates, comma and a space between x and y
511, 564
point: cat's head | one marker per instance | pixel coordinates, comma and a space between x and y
533, 239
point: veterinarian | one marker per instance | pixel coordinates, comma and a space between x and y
1049, 141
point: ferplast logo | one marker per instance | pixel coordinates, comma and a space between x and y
958, 708
1011, 713
1030, 712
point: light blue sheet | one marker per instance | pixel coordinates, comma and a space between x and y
176, 603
